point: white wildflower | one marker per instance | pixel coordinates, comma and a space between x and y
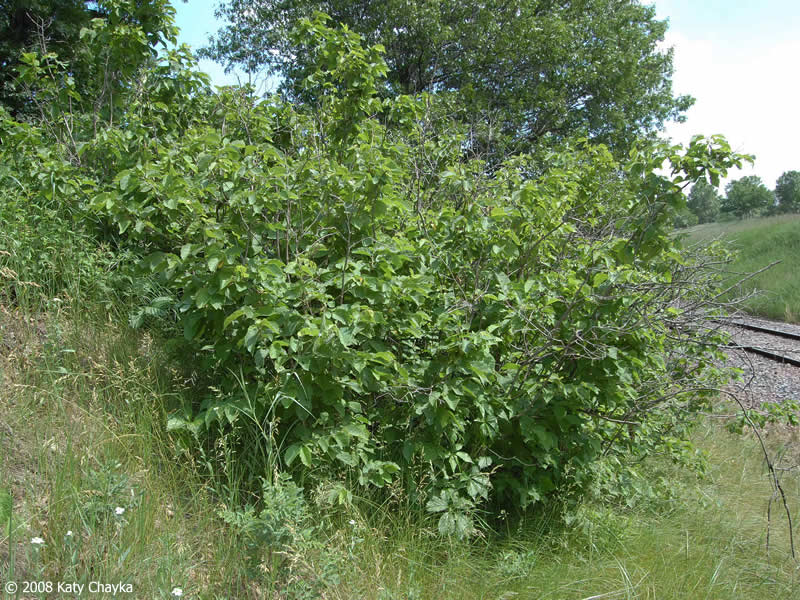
37, 541
119, 511
177, 592
352, 521
69, 533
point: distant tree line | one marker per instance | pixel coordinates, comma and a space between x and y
745, 197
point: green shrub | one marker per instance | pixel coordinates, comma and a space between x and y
403, 316
280, 535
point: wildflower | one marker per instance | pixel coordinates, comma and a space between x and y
69, 533
119, 511
352, 521
177, 592
37, 541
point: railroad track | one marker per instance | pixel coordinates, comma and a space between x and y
760, 350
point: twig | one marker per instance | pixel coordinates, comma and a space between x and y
777, 488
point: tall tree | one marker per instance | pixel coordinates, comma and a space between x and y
59, 28
520, 69
747, 197
704, 202
53, 25
787, 190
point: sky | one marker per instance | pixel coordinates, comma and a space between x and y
740, 60
197, 22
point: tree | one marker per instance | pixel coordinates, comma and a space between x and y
704, 202
787, 191
69, 32
26, 25
520, 71
747, 197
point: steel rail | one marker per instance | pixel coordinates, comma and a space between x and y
776, 332
761, 351
767, 354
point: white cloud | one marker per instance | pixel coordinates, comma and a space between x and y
745, 91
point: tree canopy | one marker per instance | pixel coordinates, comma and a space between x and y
520, 70
28, 24
67, 35
704, 201
787, 191
747, 197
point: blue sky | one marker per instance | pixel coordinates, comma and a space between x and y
739, 59
197, 22
727, 20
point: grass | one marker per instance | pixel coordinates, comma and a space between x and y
708, 543
84, 404
758, 243
83, 436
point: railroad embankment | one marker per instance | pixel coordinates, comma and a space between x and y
758, 243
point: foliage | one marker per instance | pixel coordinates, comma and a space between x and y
44, 247
519, 71
176, 538
26, 25
49, 169
684, 218
767, 413
787, 191
84, 51
75, 101
747, 197
281, 533
283, 519
704, 202
394, 314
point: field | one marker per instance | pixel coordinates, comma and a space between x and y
757, 244
115, 498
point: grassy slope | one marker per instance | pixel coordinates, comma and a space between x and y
83, 405
760, 242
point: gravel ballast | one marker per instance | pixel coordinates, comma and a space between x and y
764, 379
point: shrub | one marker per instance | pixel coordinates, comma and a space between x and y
400, 314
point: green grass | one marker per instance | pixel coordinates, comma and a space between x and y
83, 435
758, 243
84, 405
708, 543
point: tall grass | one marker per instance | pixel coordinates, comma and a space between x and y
85, 405
85, 457
759, 243
708, 542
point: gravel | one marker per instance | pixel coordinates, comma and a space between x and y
764, 341
778, 325
764, 379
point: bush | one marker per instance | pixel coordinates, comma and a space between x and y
44, 247
283, 543
401, 315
